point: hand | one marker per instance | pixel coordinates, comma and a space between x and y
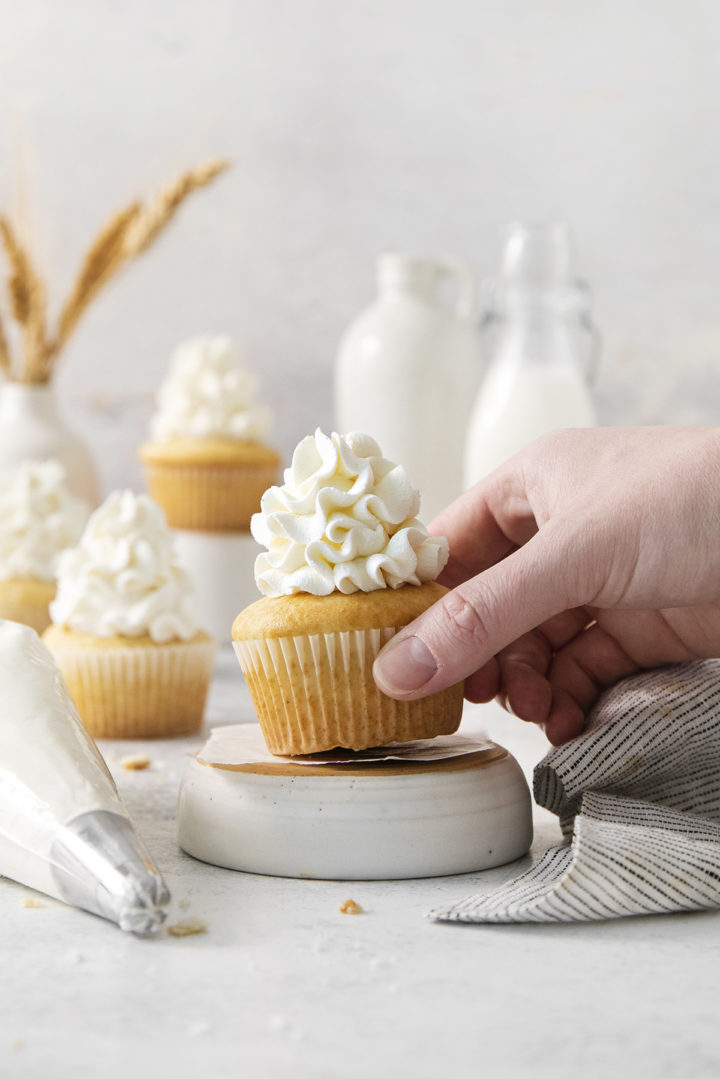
590, 555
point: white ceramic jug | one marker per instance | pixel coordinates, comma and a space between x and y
407, 370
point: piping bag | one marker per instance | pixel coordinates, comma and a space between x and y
63, 828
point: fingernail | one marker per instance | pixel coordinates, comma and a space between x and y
404, 666
504, 702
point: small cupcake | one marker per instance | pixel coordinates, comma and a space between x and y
39, 519
207, 464
347, 565
124, 631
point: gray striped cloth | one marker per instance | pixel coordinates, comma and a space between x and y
638, 797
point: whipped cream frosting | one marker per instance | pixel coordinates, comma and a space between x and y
39, 518
123, 577
344, 520
207, 394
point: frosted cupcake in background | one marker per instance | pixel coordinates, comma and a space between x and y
347, 564
207, 463
39, 519
125, 633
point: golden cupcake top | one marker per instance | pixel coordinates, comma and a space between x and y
218, 452
303, 614
60, 639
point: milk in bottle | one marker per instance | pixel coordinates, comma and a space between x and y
541, 349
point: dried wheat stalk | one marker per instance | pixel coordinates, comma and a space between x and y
5, 360
27, 302
103, 259
37, 367
127, 234
156, 214
20, 277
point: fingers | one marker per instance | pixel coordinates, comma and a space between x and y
484, 525
566, 719
524, 664
461, 632
578, 674
481, 686
527, 693
588, 664
558, 686
558, 689
621, 643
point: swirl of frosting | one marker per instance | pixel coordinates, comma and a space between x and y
123, 579
39, 518
344, 520
207, 394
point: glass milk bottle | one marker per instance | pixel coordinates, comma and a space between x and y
541, 348
408, 368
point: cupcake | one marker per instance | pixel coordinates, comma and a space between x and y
347, 564
206, 463
124, 631
39, 518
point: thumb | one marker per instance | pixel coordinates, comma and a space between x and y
468, 626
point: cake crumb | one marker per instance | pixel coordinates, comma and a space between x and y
137, 763
350, 907
187, 928
32, 902
18, 1043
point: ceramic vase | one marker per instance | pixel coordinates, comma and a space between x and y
31, 428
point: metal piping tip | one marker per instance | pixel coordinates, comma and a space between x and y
100, 864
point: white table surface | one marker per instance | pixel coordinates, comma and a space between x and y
283, 984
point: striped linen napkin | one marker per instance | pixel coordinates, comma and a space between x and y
638, 797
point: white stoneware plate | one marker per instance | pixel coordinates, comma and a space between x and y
379, 821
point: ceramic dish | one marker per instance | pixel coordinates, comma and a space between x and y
373, 821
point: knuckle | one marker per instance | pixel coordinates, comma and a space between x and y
465, 620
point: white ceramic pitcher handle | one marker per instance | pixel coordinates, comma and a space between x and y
467, 303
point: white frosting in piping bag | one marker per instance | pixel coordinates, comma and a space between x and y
344, 520
56, 791
207, 394
123, 577
34, 693
39, 518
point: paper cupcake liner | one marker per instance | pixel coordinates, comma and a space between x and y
149, 692
209, 499
315, 692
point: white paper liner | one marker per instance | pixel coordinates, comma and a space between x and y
150, 692
315, 691
209, 497
337, 648
243, 743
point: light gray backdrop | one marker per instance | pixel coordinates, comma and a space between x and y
356, 126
